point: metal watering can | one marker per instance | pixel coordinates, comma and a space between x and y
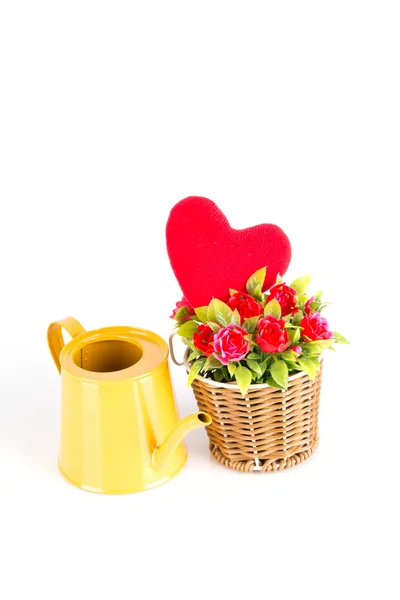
120, 430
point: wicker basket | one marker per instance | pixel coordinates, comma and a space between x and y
268, 430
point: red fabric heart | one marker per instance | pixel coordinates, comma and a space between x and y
208, 257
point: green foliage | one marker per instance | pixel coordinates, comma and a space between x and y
212, 363
187, 329
300, 284
271, 381
340, 339
232, 368
255, 367
211, 316
294, 336
181, 313
243, 378
280, 373
308, 366
195, 369
194, 354
235, 317
201, 313
250, 325
273, 308
255, 283
221, 312
315, 348
214, 326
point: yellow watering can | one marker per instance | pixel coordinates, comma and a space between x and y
120, 430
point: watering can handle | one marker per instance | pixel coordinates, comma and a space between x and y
55, 338
171, 350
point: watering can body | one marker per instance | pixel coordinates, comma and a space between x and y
120, 430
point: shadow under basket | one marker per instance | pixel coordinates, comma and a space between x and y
268, 430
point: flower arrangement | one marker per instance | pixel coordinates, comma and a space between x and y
257, 337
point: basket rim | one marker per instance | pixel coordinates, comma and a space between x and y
230, 385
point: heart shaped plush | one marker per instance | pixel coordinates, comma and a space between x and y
208, 257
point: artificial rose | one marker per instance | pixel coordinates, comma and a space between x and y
203, 338
307, 306
272, 336
286, 296
246, 305
183, 303
315, 327
296, 350
230, 344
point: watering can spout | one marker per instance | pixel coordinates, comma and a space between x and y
175, 437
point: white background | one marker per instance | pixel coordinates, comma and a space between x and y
284, 112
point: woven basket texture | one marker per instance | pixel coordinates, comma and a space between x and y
268, 430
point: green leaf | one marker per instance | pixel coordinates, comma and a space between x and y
193, 355
235, 317
212, 363
187, 329
294, 336
232, 368
340, 339
253, 356
297, 318
211, 316
280, 373
271, 382
243, 379
292, 366
319, 345
301, 283
308, 367
273, 308
190, 344
255, 283
288, 355
195, 370
201, 312
219, 375
250, 324
214, 326
182, 312
315, 362
223, 313
232, 292
254, 366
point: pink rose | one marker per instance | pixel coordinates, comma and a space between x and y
230, 344
315, 327
296, 350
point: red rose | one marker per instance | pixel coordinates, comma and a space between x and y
307, 306
246, 305
183, 303
315, 327
286, 296
203, 338
272, 336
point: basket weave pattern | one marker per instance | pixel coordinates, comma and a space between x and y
268, 430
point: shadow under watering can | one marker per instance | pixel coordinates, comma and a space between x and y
120, 430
